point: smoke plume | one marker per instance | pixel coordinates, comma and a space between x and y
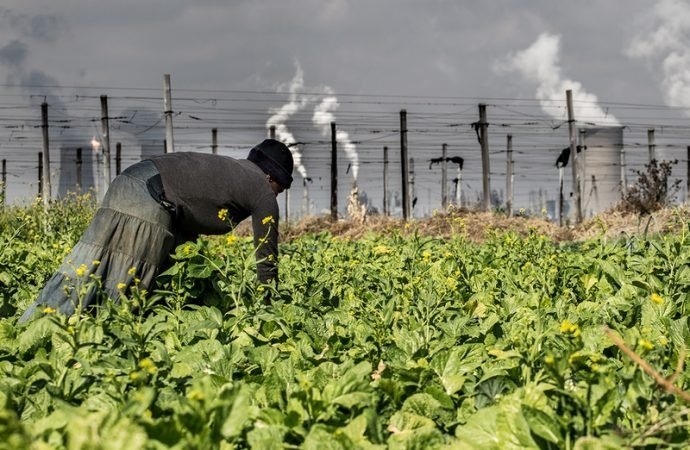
668, 40
322, 118
540, 63
282, 114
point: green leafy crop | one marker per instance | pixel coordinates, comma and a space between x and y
382, 342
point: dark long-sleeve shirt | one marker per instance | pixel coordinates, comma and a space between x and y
201, 184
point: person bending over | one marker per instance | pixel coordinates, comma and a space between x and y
158, 203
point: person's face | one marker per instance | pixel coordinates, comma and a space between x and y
275, 186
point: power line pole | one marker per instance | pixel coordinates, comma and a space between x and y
214, 141
78, 170
509, 175
334, 174
573, 157
118, 158
687, 180
413, 188
105, 130
386, 210
484, 142
403, 165
652, 145
167, 110
45, 161
4, 183
624, 178
561, 170
40, 174
444, 177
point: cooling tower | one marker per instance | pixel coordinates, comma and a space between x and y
600, 168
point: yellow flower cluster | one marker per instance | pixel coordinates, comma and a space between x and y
230, 239
81, 270
223, 214
381, 250
267, 220
148, 365
567, 327
645, 344
656, 298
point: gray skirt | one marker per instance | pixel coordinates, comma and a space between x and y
126, 243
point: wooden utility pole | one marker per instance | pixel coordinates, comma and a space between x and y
40, 174
386, 210
573, 158
486, 170
687, 180
118, 158
561, 171
105, 140
214, 141
509, 175
167, 110
444, 177
413, 188
581, 162
624, 168
334, 174
3, 198
272, 132
78, 170
45, 161
652, 145
403, 165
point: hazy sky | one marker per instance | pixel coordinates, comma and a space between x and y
331, 56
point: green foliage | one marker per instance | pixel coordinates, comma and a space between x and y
382, 342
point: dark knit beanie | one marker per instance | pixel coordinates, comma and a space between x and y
275, 159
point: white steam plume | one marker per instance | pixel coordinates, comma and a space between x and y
322, 118
540, 63
282, 114
668, 40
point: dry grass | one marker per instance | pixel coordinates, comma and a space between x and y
476, 226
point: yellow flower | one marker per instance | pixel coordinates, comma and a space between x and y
230, 239
656, 298
548, 359
663, 341
49, 310
381, 250
81, 270
121, 286
95, 262
567, 327
223, 214
426, 255
148, 365
132, 271
645, 344
267, 219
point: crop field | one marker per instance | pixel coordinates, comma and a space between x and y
392, 340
